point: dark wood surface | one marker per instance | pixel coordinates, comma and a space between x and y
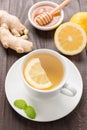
9, 119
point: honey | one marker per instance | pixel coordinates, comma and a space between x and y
46, 8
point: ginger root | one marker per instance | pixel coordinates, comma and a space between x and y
13, 34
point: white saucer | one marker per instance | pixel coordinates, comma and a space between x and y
47, 110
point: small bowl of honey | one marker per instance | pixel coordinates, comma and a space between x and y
40, 8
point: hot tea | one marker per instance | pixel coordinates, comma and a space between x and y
51, 65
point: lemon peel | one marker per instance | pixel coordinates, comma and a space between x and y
81, 19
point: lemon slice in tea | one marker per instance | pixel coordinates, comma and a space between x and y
36, 75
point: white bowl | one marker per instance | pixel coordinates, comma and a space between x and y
44, 28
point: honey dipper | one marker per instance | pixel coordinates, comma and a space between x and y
47, 17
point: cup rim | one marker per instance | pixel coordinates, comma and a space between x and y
43, 27
59, 56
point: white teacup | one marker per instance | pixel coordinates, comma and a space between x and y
62, 87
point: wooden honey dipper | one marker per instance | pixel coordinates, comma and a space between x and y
47, 17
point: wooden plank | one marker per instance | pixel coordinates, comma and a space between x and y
3, 63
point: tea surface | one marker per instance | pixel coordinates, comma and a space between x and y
52, 66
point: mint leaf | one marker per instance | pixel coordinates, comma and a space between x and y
30, 112
21, 104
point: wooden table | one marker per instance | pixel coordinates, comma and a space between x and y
9, 119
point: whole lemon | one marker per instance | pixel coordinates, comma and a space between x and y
81, 19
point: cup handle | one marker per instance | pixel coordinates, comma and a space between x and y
69, 91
